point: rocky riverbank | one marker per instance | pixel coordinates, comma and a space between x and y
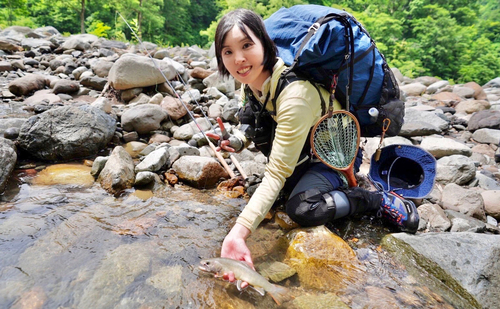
65, 99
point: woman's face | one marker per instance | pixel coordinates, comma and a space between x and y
244, 57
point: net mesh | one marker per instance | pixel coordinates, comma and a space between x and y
336, 140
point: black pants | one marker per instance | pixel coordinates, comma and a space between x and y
321, 195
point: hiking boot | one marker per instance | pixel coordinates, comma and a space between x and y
399, 211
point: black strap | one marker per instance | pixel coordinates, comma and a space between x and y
286, 78
369, 82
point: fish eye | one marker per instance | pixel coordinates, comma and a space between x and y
208, 263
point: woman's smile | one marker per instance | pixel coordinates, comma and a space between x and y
243, 57
244, 70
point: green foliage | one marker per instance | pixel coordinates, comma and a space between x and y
98, 28
13, 12
453, 39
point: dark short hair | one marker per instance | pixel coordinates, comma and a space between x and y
242, 18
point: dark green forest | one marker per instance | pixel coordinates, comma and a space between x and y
457, 40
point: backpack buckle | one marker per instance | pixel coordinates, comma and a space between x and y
314, 27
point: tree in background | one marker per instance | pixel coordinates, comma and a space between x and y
452, 39
13, 12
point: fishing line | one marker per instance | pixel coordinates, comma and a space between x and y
141, 47
231, 156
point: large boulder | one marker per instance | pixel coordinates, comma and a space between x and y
132, 71
466, 262
66, 133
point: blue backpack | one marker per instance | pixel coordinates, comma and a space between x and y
331, 48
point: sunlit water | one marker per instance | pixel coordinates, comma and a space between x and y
67, 246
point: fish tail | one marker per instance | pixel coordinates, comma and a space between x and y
280, 294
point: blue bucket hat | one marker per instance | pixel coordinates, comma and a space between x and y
407, 170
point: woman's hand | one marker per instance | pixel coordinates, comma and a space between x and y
235, 247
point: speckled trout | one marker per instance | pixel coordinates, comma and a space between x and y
243, 272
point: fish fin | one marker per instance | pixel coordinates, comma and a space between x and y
280, 294
238, 285
260, 290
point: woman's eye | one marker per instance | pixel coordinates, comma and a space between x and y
227, 52
246, 45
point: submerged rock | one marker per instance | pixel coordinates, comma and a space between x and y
65, 174
322, 260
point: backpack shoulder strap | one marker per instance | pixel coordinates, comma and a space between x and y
289, 76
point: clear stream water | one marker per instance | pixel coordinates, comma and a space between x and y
70, 246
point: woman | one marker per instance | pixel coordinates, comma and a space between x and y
245, 51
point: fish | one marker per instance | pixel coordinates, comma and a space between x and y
243, 272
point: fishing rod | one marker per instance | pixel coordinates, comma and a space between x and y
221, 126
217, 154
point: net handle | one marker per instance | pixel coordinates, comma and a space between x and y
348, 171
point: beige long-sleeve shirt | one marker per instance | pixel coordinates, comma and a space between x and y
298, 108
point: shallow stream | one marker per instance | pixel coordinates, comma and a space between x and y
72, 246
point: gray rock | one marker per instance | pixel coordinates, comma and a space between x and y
199, 172
11, 123
466, 201
436, 219
132, 71
66, 86
463, 223
275, 271
145, 178
486, 182
494, 83
440, 147
167, 279
425, 121
457, 169
8, 159
186, 150
66, 133
154, 161
98, 165
30, 43
463, 92
117, 270
225, 85
413, 89
487, 136
230, 110
434, 87
484, 119
118, 173
140, 99
143, 118
129, 94
27, 84
80, 41
101, 67
93, 82
467, 262
191, 96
